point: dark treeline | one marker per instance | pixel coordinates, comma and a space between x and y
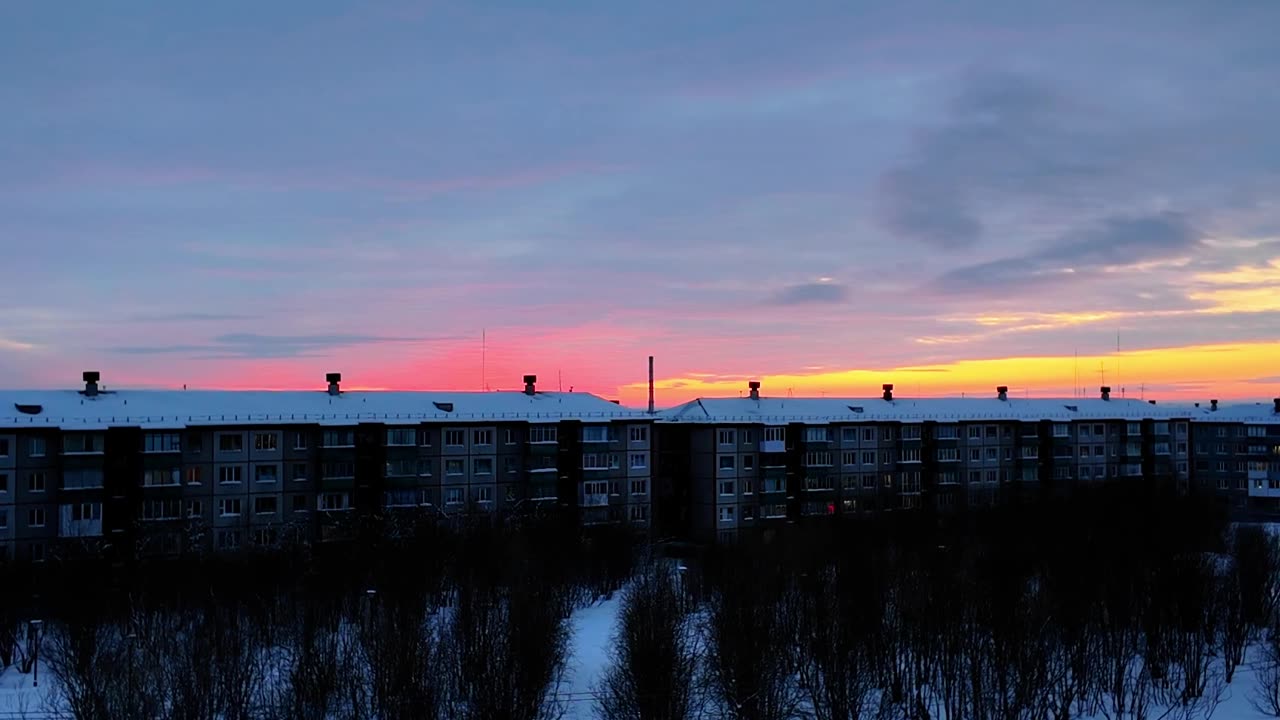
1115, 603
420, 622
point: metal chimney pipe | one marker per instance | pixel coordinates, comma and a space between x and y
1213, 406
529, 381
888, 391
650, 384
1277, 402
91, 378
1002, 392
1106, 392
333, 379
754, 386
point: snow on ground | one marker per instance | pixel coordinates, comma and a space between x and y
588, 655
17, 695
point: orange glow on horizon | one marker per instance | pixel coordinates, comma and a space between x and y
1229, 371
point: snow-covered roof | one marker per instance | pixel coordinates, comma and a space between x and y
1253, 413
850, 410
181, 408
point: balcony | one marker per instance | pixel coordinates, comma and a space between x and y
595, 500
773, 446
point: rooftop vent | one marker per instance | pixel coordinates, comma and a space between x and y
856, 408
1072, 408
1277, 407
1106, 392
91, 378
616, 402
333, 379
529, 382
1002, 392
28, 409
888, 391
443, 406
754, 386
1153, 402
1213, 406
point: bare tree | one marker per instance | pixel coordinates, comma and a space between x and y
656, 652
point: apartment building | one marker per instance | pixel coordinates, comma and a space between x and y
755, 461
1236, 452
172, 471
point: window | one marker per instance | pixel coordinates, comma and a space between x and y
639, 513
266, 441
1084, 450
229, 474
453, 496
401, 436
193, 475
748, 462
266, 473
911, 455
81, 512
777, 510
726, 487
726, 514
4, 447
80, 479
36, 482
424, 437
228, 539
1162, 428
195, 508
455, 438
992, 454
334, 501
424, 468
299, 503
542, 434
1162, 448
817, 483
726, 463
639, 434
338, 470
868, 434
482, 466
4, 482
948, 454
81, 443
161, 442
299, 441
453, 467
400, 498
484, 494
639, 461
162, 477
975, 431
230, 442
775, 434
948, 478
817, 459
229, 507
1030, 452
401, 468
910, 432
975, 454
35, 517
482, 437
1061, 430
161, 509
748, 437
1253, 430
946, 432
639, 487
4, 518
595, 433
37, 447
868, 457
298, 472
726, 437
339, 438
1134, 428
264, 505
510, 436
817, 434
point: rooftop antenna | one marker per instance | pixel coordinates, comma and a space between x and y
1075, 387
559, 382
484, 376
1116, 370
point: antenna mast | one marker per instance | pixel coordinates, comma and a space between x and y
484, 377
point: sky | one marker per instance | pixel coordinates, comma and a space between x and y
824, 196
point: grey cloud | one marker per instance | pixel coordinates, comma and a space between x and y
251, 345
1117, 240
811, 293
1002, 135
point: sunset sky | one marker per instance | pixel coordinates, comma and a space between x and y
825, 196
